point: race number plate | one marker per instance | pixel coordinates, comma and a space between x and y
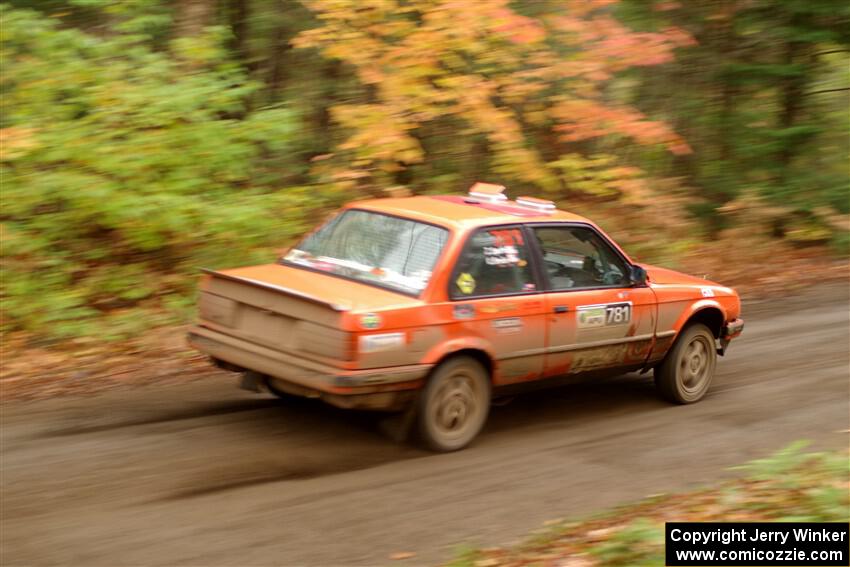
604, 315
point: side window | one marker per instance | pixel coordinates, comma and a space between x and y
495, 261
576, 257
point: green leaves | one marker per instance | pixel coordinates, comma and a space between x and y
138, 134
759, 98
123, 166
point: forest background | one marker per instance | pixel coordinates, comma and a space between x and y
143, 139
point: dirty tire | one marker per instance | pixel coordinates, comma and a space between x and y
685, 374
453, 406
270, 384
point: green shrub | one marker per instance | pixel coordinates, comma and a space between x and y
124, 170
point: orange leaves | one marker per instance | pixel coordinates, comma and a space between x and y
437, 68
377, 136
609, 45
16, 141
582, 119
679, 37
517, 28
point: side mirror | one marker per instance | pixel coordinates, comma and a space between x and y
637, 276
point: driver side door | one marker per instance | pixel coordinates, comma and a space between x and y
595, 318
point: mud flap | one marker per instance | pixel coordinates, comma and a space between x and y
398, 426
251, 381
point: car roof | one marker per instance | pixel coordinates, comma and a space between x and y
461, 211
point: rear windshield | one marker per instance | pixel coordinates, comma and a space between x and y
391, 252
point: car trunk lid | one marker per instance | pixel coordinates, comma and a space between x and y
289, 309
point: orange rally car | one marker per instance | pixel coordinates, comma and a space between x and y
434, 304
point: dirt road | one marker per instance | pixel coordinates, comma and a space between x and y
205, 474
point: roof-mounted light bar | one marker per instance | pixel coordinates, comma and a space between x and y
541, 205
488, 192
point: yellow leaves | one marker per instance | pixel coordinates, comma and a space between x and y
517, 28
759, 215
378, 135
201, 50
600, 176
520, 92
372, 74
16, 142
581, 174
398, 191
832, 218
751, 209
481, 68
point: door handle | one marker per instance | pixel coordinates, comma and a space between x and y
561, 309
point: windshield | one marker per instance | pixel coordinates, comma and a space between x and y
395, 253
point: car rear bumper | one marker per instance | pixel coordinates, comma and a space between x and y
730, 330
382, 388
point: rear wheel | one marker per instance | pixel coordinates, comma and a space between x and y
453, 406
273, 386
685, 374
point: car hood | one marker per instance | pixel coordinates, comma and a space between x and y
660, 275
341, 293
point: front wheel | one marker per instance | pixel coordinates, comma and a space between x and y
685, 374
453, 406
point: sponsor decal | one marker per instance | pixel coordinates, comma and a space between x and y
370, 321
590, 316
706, 292
322, 265
499, 308
501, 255
382, 342
507, 237
500, 247
463, 311
465, 283
507, 325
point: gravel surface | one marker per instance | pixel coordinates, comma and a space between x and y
201, 473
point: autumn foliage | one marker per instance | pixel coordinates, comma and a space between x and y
530, 89
141, 140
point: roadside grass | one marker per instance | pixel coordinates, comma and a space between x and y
791, 485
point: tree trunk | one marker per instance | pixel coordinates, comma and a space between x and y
192, 16
330, 73
793, 89
280, 48
727, 42
239, 12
